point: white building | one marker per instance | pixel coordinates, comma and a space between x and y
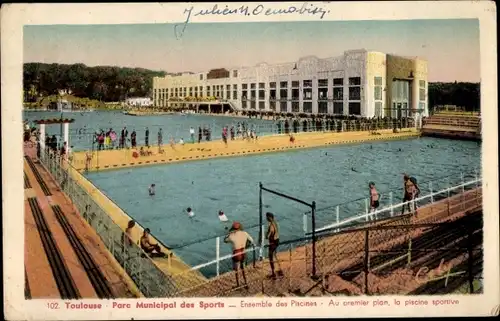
139, 101
359, 82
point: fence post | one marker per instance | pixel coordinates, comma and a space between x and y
313, 221
261, 228
337, 214
430, 189
367, 259
390, 200
366, 209
470, 261
217, 254
304, 225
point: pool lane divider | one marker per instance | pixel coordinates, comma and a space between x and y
255, 151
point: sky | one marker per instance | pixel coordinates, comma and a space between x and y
451, 47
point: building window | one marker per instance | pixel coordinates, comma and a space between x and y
338, 81
338, 107
307, 107
307, 93
272, 94
284, 84
295, 84
252, 86
378, 93
355, 93
208, 90
323, 93
283, 94
338, 93
378, 109
235, 73
354, 108
244, 104
421, 92
252, 104
235, 92
272, 105
295, 107
355, 81
322, 107
307, 83
253, 94
244, 86
295, 93
262, 105
201, 90
378, 81
190, 91
262, 94
201, 77
272, 84
421, 106
322, 82
244, 95
283, 106
262, 85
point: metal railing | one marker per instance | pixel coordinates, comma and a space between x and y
223, 264
467, 181
150, 280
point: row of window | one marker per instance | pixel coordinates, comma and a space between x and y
354, 108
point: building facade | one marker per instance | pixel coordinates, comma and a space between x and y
360, 82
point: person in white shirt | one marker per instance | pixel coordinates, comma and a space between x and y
190, 212
222, 216
152, 190
239, 240
181, 142
191, 132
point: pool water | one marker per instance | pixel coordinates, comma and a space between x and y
328, 176
176, 126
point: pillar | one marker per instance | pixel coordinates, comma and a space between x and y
66, 133
42, 136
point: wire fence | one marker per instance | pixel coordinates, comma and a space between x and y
441, 254
87, 138
150, 280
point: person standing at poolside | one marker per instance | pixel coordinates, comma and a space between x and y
410, 191
374, 197
191, 132
160, 139
200, 134
133, 139
238, 239
146, 140
273, 238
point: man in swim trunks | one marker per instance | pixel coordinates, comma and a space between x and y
273, 238
239, 239
149, 247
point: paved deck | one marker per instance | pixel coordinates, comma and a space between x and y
296, 263
115, 159
40, 278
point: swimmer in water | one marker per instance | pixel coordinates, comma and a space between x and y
352, 169
152, 190
190, 212
222, 216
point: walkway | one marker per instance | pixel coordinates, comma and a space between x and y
346, 247
113, 159
64, 257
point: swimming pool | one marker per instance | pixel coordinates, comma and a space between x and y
328, 176
176, 126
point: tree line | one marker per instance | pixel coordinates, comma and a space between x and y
104, 83
110, 83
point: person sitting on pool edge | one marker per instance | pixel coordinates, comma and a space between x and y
147, 246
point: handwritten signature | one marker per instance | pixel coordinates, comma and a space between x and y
245, 10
